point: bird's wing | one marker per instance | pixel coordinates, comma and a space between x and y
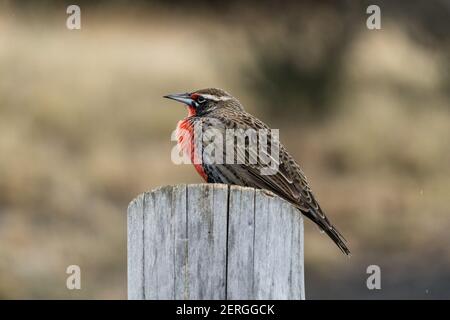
288, 181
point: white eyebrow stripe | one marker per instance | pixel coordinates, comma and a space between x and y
214, 98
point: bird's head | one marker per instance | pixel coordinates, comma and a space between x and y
203, 101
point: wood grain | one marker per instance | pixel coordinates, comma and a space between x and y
212, 241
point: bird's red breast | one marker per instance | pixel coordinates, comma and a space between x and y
185, 137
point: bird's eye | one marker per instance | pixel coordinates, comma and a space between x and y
200, 99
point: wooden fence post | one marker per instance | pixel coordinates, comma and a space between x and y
213, 241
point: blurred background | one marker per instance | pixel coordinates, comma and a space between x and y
84, 129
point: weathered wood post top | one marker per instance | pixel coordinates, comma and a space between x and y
213, 241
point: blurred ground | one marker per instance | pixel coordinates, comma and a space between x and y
83, 130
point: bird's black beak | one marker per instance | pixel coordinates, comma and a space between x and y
181, 97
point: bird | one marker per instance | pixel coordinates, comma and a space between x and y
215, 109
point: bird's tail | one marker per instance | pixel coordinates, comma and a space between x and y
324, 224
338, 239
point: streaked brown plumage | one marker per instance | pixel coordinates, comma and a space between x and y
215, 108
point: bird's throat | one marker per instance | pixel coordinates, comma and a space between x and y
191, 111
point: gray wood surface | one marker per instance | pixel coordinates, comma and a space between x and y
136, 248
212, 241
